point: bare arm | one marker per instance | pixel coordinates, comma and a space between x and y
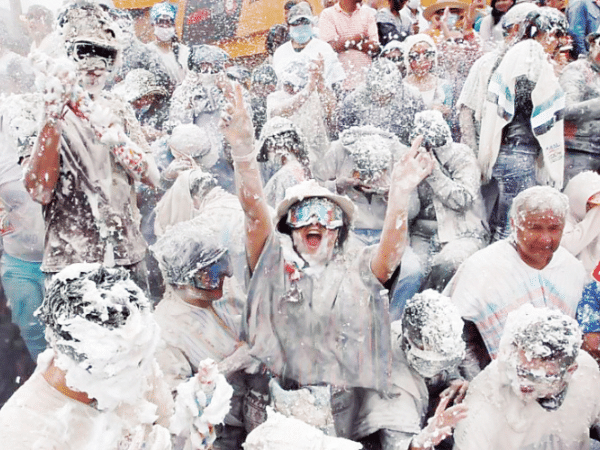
408, 172
43, 168
236, 126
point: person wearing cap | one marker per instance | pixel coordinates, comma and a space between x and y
542, 392
317, 308
351, 31
581, 83
90, 153
427, 347
522, 140
200, 316
172, 53
304, 45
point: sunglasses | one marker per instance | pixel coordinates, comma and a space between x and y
210, 277
427, 54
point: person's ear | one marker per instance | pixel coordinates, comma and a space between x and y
572, 368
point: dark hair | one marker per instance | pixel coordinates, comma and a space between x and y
66, 298
278, 35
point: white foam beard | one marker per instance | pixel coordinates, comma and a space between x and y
116, 362
324, 254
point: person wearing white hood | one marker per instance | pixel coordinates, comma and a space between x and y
317, 310
541, 393
582, 227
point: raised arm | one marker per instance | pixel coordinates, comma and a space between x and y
408, 172
236, 126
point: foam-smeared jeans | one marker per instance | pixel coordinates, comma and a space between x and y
514, 172
23, 284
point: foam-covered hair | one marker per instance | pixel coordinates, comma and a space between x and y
432, 322
162, 9
542, 333
184, 250
433, 127
102, 295
538, 199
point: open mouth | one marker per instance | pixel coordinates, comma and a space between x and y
526, 389
313, 239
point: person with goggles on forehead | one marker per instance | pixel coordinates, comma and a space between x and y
200, 317
317, 309
541, 392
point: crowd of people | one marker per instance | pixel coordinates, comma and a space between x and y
386, 233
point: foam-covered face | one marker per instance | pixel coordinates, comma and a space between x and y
538, 236
534, 379
211, 277
111, 365
421, 58
315, 243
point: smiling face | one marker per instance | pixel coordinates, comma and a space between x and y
421, 57
316, 224
538, 236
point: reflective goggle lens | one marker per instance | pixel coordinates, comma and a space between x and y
315, 210
210, 277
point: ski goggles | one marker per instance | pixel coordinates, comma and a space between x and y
211, 276
315, 210
85, 52
539, 376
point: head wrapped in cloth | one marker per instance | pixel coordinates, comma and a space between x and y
164, 10
431, 125
100, 325
189, 257
432, 334
90, 34
372, 151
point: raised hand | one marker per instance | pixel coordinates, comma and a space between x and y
235, 122
412, 168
